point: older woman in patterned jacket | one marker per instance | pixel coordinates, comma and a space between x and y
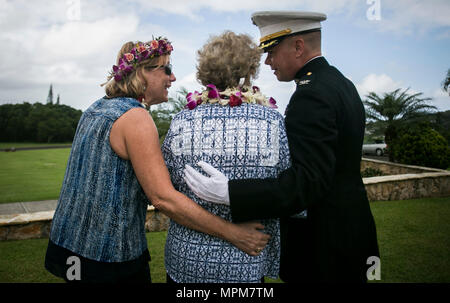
232, 126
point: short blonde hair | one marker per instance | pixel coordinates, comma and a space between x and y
227, 58
132, 85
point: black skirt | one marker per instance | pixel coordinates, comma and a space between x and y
91, 271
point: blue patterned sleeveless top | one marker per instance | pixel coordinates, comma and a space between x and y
101, 208
247, 141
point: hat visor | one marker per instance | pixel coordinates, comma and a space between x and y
267, 45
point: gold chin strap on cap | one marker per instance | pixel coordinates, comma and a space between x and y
275, 35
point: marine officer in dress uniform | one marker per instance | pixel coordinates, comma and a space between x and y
325, 121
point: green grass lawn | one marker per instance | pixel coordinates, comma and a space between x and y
29, 144
414, 240
412, 235
23, 260
32, 175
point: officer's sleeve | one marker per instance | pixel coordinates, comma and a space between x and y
312, 134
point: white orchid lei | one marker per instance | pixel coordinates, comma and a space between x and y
231, 96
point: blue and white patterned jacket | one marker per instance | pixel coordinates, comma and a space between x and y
247, 141
102, 207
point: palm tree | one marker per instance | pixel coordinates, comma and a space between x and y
163, 113
446, 82
395, 109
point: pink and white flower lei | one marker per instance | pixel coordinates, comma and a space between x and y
230, 96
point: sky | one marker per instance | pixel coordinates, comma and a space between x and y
380, 45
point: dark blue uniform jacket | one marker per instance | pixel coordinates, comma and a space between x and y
325, 121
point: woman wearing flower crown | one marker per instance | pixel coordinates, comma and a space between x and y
115, 169
232, 126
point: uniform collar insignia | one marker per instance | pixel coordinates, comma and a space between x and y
302, 82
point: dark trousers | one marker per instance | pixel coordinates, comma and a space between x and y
300, 262
91, 271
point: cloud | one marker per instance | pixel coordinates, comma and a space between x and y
378, 84
192, 9
189, 82
82, 39
412, 17
72, 52
50, 48
381, 84
401, 16
44, 47
441, 99
440, 93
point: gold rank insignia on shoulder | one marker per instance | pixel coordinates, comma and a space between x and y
309, 74
302, 82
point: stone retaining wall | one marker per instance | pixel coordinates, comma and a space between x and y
404, 182
389, 168
408, 186
37, 225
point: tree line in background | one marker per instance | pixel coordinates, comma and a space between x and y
37, 122
57, 123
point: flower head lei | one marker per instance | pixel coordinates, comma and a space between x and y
230, 96
139, 53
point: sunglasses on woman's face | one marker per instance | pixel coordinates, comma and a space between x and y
167, 68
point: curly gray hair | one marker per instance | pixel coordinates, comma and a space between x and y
227, 58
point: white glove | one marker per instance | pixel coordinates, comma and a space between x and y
213, 189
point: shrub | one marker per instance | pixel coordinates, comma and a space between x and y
371, 172
422, 146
